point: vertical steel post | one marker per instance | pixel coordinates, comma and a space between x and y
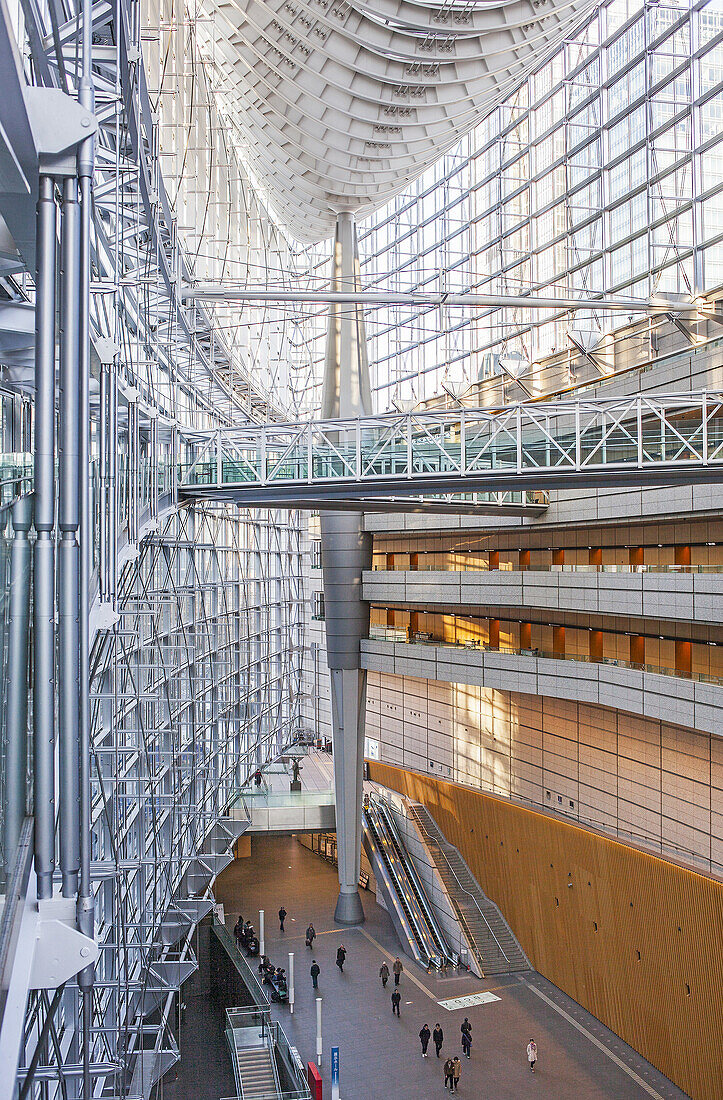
16, 762
85, 904
134, 442
44, 551
68, 549
104, 480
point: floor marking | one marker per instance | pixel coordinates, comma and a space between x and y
601, 1046
415, 981
467, 1002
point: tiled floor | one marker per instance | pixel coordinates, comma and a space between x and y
380, 1055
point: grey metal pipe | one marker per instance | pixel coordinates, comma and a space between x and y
112, 476
44, 552
68, 549
85, 904
104, 479
134, 443
16, 761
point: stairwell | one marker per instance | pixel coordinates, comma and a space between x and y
497, 950
255, 1069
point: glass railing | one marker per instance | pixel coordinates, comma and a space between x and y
506, 567
380, 634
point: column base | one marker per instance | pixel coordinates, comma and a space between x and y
349, 909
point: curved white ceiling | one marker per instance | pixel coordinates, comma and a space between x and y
342, 102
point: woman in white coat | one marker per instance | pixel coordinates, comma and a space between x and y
532, 1054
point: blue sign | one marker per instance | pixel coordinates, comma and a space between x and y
335, 1073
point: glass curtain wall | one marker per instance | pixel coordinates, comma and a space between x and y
602, 173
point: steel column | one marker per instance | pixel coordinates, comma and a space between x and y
16, 762
44, 552
68, 549
346, 551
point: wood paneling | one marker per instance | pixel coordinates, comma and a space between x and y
635, 939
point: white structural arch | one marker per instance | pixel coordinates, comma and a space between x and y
340, 104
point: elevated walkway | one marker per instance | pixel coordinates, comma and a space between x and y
632, 440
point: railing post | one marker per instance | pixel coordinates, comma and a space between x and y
704, 418
409, 445
219, 461
639, 421
578, 441
462, 444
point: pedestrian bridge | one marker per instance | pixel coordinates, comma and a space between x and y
522, 449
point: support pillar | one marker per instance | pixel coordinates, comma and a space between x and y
346, 550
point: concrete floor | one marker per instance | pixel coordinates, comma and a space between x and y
380, 1056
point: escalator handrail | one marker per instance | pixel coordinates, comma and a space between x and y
404, 894
404, 884
402, 911
464, 890
437, 933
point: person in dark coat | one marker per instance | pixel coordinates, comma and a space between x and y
396, 998
238, 929
310, 935
340, 956
315, 972
449, 1074
466, 1030
424, 1036
456, 1071
397, 968
384, 974
438, 1037
282, 918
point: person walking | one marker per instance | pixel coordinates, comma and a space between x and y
532, 1054
466, 1030
315, 972
341, 957
384, 974
310, 935
282, 918
438, 1037
396, 998
397, 968
449, 1074
424, 1037
238, 930
456, 1071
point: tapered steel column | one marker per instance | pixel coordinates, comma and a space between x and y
16, 793
346, 550
44, 552
68, 549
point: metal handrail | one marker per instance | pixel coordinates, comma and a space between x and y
437, 933
464, 889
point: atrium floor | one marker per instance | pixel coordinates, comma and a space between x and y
380, 1056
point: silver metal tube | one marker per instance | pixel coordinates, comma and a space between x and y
68, 549
133, 470
16, 762
215, 292
44, 552
85, 905
104, 510
112, 476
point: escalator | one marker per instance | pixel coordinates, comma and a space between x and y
410, 910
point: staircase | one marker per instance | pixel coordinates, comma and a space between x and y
497, 950
255, 1072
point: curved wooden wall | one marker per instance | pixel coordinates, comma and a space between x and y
636, 940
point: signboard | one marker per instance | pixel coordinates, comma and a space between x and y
334, 1073
468, 1002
